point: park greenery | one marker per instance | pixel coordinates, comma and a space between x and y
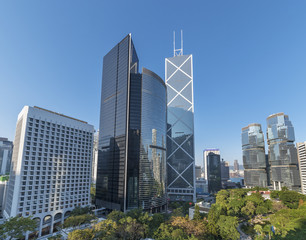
16, 227
282, 217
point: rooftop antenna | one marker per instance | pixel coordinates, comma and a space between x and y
179, 51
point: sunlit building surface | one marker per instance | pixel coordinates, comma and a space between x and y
51, 168
301, 147
205, 163
282, 152
132, 139
180, 132
253, 155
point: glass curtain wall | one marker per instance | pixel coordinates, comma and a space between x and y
254, 158
282, 152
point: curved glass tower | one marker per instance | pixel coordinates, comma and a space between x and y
131, 157
254, 158
152, 165
282, 152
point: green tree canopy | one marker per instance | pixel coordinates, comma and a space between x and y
227, 226
86, 234
16, 227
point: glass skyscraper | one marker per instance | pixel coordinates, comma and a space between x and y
282, 152
214, 172
254, 158
180, 131
132, 152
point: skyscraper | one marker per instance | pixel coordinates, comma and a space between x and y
282, 152
205, 163
180, 132
254, 158
236, 165
301, 147
214, 172
224, 172
51, 168
6, 149
132, 138
198, 171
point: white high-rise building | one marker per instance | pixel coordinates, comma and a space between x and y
205, 154
301, 149
51, 168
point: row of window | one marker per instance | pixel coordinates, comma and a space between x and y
54, 125
77, 203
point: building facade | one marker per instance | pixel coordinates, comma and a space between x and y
132, 139
198, 172
51, 168
6, 149
94, 167
3, 190
180, 132
282, 153
214, 172
301, 148
236, 165
253, 155
224, 173
205, 154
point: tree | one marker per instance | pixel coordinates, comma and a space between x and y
163, 232
115, 215
129, 228
213, 217
16, 227
291, 198
178, 212
86, 234
196, 215
190, 227
74, 221
157, 220
227, 226
258, 229
93, 193
248, 209
261, 210
105, 229
222, 197
80, 211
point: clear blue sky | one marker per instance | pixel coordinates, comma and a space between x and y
249, 59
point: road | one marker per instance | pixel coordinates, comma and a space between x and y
243, 236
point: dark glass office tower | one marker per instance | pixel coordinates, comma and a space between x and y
282, 152
131, 156
254, 158
214, 172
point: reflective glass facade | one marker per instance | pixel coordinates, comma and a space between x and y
180, 131
254, 158
214, 172
131, 158
282, 152
6, 150
111, 187
152, 184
